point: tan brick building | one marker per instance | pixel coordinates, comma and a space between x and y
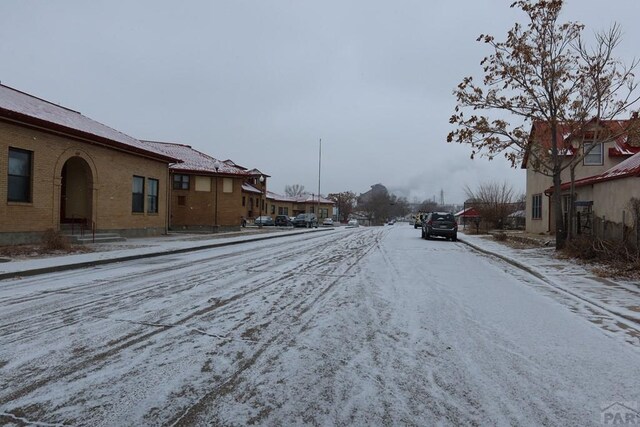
205, 193
292, 206
58, 166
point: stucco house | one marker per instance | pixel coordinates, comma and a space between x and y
59, 167
205, 193
608, 198
605, 155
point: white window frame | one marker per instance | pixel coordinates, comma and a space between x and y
595, 156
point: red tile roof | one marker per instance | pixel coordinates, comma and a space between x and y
24, 108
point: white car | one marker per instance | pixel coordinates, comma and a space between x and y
352, 223
327, 221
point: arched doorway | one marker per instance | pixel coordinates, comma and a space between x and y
76, 192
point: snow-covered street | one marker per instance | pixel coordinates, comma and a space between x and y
363, 326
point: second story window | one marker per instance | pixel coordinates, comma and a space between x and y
596, 153
180, 182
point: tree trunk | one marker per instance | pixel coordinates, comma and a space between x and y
557, 201
572, 205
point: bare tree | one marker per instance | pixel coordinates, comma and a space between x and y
493, 201
345, 202
542, 74
294, 190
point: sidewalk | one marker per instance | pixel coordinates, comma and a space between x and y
136, 248
575, 284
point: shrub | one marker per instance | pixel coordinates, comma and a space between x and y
53, 240
500, 237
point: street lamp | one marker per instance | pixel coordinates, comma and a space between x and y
216, 166
261, 179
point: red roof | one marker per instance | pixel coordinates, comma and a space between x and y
469, 212
24, 108
628, 168
624, 144
195, 161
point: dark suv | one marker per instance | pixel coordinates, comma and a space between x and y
440, 224
306, 220
282, 221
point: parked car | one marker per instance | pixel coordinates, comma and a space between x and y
328, 222
263, 220
352, 223
282, 221
441, 224
306, 220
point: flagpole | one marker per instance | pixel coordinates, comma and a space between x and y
319, 165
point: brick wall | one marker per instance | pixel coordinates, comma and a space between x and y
110, 173
198, 209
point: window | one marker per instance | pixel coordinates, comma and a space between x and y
227, 185
595, 156
536, 206
273, 209
137, 194
283, 211
180, 182
152, 196
203, 183
19, 179
243, 201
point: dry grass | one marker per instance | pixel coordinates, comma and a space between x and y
613, 259
53, 243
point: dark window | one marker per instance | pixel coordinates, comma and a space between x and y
152, 196
273, 209
137, 194
283, 211
536, 206
243, 201
19, 179
180, 182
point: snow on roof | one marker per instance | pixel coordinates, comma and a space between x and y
194, 160
467, 212
280, 197
303, 198
627, 168
26, 108
250, 188
257, 172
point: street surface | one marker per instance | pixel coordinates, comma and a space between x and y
362, 326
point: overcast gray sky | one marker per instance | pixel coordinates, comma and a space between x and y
260, 82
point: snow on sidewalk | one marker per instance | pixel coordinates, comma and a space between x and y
596, 297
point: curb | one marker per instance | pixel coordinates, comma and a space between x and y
509, 260
545, 279
85, 264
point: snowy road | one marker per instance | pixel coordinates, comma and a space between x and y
355, 326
